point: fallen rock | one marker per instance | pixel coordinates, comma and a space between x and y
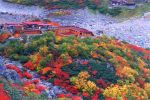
2, 68
11, 76
57, 90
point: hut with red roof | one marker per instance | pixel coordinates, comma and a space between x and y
73, 30
37, 27
13, 27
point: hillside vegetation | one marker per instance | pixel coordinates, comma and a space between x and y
94, 69
100, 5
103, 6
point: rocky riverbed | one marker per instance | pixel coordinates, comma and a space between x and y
135, 31
20, 9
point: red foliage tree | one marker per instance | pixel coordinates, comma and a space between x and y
3, 94
29, 65
27, 75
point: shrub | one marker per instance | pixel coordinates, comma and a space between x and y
23, 59
103, 10
114, 11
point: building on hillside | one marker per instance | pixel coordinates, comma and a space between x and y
31, 32
127, 2
30, 28
48, 26
123, 2
72, 30
12, 27
31, 25
40, 25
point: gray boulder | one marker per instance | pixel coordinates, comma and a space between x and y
11, 76
2, 68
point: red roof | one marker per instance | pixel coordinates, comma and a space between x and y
68, 33
53, 23
76, 28
14, 24
31, 22
41, 23
31, 31
49, 24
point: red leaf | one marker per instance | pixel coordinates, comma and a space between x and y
76, 98
60, 95
35, 81
85, 94
40, 88
27, 75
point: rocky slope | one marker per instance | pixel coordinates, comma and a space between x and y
10, 70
